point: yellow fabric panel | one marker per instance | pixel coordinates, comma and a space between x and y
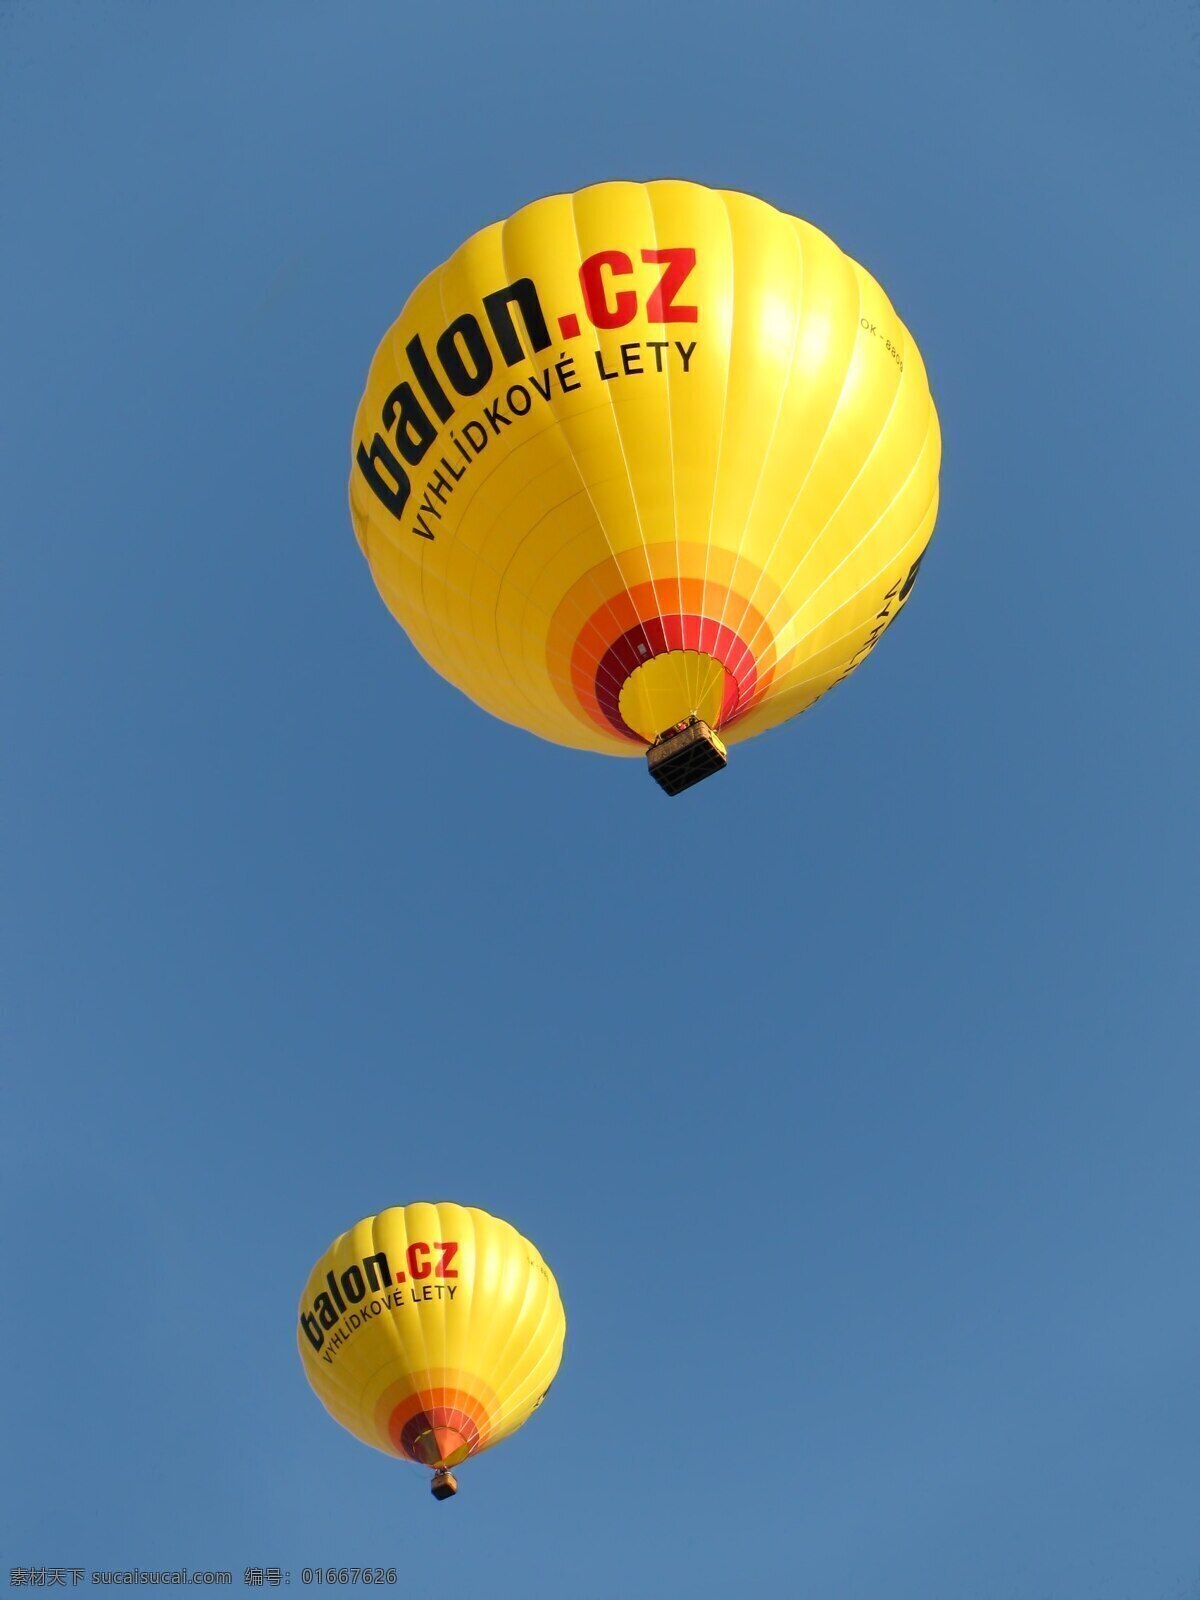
640, 421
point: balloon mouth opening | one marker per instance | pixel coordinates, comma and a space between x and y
445, 1447
437, 1441
673, 687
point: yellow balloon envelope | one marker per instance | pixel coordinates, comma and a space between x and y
431, 1332
645, 454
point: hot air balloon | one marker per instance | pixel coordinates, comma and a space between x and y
431, 1332
647, 467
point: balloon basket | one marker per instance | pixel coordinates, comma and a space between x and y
444, 1484
685, 755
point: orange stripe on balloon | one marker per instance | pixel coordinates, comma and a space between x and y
598, 676
616, 599
444, 1399
434, 1408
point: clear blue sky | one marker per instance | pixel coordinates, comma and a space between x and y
853, 1097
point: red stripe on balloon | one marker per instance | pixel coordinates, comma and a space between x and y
418, 1435
657, 636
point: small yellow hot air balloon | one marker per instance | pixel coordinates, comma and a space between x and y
431, 1332
650, 465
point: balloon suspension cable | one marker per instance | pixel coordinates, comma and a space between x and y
444, 1484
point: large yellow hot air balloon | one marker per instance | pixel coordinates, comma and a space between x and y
431, 1332
646, 461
